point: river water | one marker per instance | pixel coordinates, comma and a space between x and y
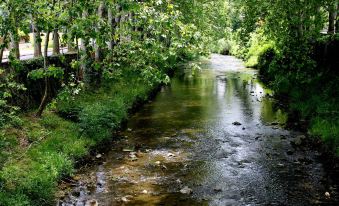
213, 137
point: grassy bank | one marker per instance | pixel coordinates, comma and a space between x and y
39, 152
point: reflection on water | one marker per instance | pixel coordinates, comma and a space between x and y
186, 138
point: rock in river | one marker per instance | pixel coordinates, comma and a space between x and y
91, 203
186, 190
236, 123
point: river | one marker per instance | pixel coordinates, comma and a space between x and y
212, 137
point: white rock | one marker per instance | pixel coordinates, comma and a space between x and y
170, 155
98, 156
144, 192
186, 190
327, 194
124, 199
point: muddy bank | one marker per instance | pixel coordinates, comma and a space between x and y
213, 138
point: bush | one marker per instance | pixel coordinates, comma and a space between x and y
267, 63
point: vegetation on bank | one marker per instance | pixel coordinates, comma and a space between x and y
36, 154
294, 45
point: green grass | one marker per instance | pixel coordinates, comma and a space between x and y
42, 151
29, 175
328, 130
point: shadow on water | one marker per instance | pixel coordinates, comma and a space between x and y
184, 148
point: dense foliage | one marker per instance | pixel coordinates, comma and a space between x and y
293, 44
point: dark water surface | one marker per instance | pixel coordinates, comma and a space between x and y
183, 149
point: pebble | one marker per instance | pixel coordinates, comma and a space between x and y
327, 195
157, 162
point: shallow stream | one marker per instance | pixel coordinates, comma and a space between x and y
215, 137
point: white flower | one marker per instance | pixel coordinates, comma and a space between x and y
76, 91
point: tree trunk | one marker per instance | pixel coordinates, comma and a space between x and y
98, 50
112, 27
3, 46
56, 43
37, 40
118, 20
84, 56
332, 15
43, 103
14, 47
337, 19
70, 45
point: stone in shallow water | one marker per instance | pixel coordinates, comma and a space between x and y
144, 192
98, 156
236, 123
186, 190
91, 203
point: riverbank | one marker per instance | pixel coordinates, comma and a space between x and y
38, 153
311, 94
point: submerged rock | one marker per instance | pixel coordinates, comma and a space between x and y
217, 189
297, 141
236, 123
